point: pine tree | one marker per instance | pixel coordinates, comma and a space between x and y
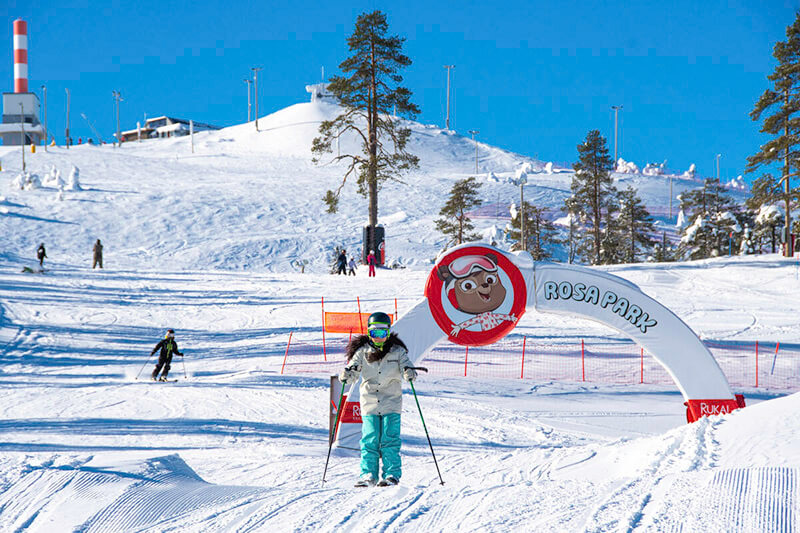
764, 194
540, 233
713, 215
455, 223
662, 251
592, 187
369, 94
783, 100
635, 225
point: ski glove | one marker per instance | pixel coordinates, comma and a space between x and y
409, 374
348, 374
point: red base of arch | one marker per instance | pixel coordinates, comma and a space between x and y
696, 409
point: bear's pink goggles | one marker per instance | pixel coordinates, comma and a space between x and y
466, 265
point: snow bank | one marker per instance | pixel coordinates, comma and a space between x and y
626, 167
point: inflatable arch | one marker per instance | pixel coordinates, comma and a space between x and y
476, 293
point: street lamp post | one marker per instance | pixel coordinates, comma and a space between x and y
255, 91
474, 133
616, 109
249, 106
447, 120
66, 133
22, 125
522, 181
44, 91
117, 99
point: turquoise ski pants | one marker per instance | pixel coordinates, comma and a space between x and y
380, 439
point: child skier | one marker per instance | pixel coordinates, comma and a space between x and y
381, 359
168, 346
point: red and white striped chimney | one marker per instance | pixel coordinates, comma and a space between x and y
20, 56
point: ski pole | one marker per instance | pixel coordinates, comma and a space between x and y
333, 432
144, 365
184, 367
426, 431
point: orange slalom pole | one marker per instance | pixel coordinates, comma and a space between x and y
324, 351
395, 309
285, 355
641, 366
583, 366
360, 322
756, 364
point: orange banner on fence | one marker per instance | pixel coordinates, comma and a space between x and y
346, 322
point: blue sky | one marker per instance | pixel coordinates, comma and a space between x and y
533, 77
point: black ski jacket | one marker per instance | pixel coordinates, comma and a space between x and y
167, 347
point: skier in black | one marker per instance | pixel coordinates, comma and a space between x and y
341, 263
168, 346
41, 254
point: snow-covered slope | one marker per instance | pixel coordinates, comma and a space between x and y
203, 242
253, 200
235, 446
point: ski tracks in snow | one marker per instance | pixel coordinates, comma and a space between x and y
687, 450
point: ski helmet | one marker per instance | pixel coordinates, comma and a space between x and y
379, 320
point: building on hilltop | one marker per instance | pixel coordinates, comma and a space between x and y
21, 118
319, 92
164, 126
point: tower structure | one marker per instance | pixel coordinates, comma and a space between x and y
21, 108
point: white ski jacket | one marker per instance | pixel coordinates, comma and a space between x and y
381, 387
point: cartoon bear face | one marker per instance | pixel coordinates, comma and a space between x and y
473, 285
480, 292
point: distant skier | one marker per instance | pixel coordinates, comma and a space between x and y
341, 263
371, 261
97, 254
351, 267
41, 254
168, 346
381, 359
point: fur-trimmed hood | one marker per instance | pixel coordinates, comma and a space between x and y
375, 354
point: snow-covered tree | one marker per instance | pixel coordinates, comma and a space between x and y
635, 225
783, 124
713, 216
540, 233
74, 183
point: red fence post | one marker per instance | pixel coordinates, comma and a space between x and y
522, 370
360, 322
756, 364
466, 356
324, 351
583, 366
287, 351
641, 366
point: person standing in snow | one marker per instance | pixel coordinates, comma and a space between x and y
168, 346
371, 261
97, 254
381, 359
41, 254
341, 263
351, 267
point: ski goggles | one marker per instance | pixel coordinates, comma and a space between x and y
379, 333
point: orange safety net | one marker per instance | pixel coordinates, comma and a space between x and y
346, 323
